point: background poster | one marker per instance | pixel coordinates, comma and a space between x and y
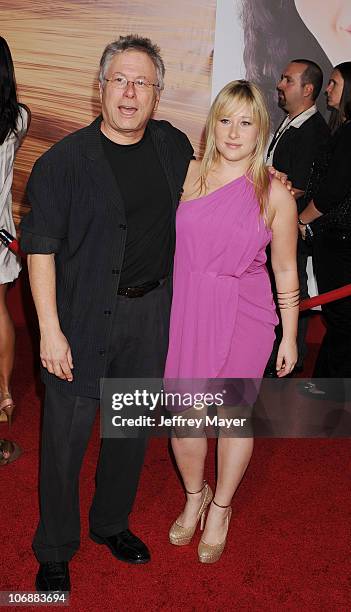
256, 39
56, 48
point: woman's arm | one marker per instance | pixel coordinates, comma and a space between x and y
335, 183
310, 213
282, 206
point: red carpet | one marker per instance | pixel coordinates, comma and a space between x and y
288, 547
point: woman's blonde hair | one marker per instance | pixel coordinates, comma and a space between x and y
233, 96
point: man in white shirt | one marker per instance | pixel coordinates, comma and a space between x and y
294, 147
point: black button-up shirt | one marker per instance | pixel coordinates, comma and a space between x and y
78, 214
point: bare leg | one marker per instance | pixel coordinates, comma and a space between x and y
7, 344
234, 455
190, 454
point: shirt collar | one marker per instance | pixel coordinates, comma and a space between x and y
302, 117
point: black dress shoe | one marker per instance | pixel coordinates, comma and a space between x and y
334, 393
53, 576
125, 546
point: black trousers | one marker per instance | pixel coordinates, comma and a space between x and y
332, 262
138, 348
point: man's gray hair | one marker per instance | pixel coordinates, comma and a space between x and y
136, 43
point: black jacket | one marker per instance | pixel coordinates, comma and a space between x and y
78, 214
335, 184
297, 149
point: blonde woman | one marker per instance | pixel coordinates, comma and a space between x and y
223, 315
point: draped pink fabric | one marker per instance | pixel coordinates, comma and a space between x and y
223, 314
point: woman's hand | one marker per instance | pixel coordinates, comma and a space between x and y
287, 357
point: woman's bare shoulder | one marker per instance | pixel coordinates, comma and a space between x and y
279, 200
280, 195
281, 204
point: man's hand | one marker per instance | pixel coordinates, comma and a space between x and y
55, 354
302, 229
283, 178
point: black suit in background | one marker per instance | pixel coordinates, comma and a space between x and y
294, 154
78, 213
332, 256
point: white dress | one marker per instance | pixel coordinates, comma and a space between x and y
9, 264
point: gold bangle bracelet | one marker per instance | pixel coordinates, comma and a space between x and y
281, 307
288, 299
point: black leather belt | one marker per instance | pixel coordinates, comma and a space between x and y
133, 292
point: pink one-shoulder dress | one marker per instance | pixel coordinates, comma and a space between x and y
223, 314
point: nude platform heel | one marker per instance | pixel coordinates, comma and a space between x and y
179, 535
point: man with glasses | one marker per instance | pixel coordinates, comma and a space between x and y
100, 239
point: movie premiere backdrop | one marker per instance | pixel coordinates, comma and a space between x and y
56, 47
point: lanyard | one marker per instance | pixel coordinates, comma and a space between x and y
280, 132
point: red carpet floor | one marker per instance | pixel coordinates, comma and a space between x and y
288, 547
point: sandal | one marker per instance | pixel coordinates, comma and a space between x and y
9, 451
6, 408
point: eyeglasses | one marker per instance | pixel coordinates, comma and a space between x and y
119, 81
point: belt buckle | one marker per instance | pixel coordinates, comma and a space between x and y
134, 292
